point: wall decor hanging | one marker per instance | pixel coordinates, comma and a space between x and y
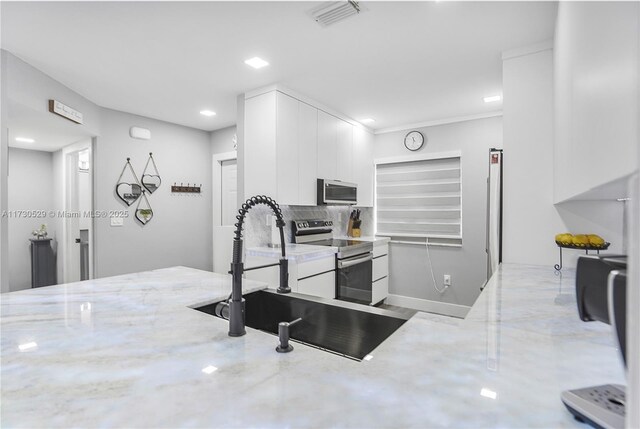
186, 189
151, 181
127, 191
144, 214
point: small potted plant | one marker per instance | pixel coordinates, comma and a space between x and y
145, 214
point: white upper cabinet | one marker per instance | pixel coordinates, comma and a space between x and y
287, 149
260, 146
363, 168
344, 160
289, 144
307, 154
327, 146
280, 146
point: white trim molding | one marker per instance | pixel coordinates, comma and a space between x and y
436, 122
426, 305
424, 157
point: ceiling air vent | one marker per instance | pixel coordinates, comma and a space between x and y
329, 13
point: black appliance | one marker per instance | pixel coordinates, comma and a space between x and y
354, 259
337, 192
601, 284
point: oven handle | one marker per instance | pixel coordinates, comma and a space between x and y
351, 262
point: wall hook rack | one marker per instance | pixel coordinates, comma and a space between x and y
186, 189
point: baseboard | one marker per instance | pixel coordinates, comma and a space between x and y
444, 308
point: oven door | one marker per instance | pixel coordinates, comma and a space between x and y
354, 279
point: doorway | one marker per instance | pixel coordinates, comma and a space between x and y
77, 252
50, 203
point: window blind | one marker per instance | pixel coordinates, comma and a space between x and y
420, 199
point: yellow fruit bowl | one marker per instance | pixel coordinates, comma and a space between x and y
584, 246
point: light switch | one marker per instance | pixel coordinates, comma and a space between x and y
117, 221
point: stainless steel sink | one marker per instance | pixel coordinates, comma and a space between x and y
348, 329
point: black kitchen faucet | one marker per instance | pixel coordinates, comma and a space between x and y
236, 304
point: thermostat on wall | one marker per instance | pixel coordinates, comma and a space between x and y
140, 133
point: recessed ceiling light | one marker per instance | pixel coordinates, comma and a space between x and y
208, 113
367, 121
209, 369
25, 140
28, 346
488, 393
256, 62
492, 98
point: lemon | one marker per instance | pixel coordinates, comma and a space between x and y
564, 238
580, 240
595, 240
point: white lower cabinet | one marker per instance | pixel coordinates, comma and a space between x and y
379, 290
380, 275
316, 277
322, 285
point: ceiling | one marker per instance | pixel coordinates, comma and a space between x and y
396, 62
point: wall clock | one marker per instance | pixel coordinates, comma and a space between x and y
414, 140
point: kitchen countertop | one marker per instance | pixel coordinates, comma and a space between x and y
294, 252
377, 241
128, 352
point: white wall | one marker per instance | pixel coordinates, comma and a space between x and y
30, 188
530, 219
180, 231
222, 140
409, 276
596, 94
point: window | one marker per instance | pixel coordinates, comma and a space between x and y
420, 199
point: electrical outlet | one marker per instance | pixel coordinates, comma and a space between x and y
447, 280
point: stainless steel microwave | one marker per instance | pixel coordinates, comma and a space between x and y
337, 192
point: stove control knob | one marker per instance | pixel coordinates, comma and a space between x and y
306, 224
328, 223
299, 224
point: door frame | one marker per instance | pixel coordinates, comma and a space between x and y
67, 241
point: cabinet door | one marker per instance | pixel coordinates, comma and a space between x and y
344, 160
327, 146
260, 146
323, 285
363, 167
380, 267
287, 149
307, 153
379, 290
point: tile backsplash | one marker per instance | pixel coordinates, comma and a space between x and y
257, 233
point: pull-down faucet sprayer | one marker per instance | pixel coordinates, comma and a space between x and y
236, 304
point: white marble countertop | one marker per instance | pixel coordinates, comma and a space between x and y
377, 241
294, 252
135, 357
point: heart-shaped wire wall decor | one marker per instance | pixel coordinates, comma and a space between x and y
151, 181
128, 192
144, 214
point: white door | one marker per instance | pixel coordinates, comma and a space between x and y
229, 192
